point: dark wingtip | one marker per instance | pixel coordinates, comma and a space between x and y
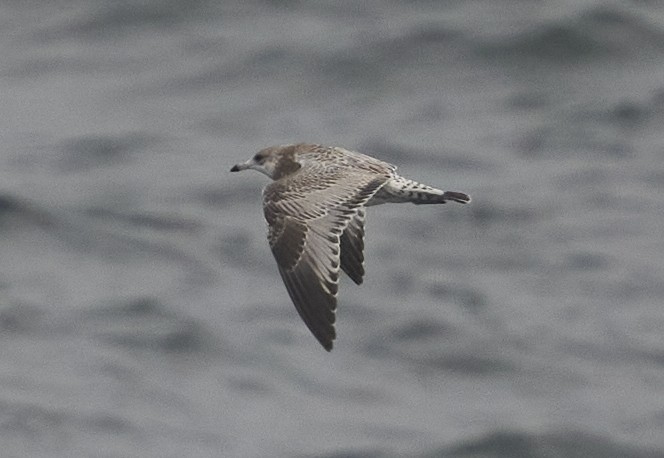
235, 168
327, 341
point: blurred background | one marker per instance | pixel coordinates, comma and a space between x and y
141, 312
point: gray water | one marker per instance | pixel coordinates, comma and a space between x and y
141, 311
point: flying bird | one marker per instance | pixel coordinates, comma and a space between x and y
315, 209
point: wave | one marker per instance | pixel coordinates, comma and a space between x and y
145, 323
92, 151
19, 213
601, 32
513, 444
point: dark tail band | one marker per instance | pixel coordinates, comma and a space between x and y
456, 197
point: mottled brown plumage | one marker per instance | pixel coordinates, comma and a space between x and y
315, 214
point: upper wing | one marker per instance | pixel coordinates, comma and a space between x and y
308, 216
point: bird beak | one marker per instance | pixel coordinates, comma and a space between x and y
241, 166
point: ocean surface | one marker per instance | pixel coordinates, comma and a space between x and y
141, 311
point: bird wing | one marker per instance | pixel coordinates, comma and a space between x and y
352, 248
314, 218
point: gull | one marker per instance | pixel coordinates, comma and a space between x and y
315, 210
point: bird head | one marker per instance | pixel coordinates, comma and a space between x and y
274, 161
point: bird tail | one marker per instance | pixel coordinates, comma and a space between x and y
440, 197
404, 190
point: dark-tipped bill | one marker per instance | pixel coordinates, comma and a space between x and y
241, 166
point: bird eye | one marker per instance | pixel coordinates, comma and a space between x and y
258, 157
